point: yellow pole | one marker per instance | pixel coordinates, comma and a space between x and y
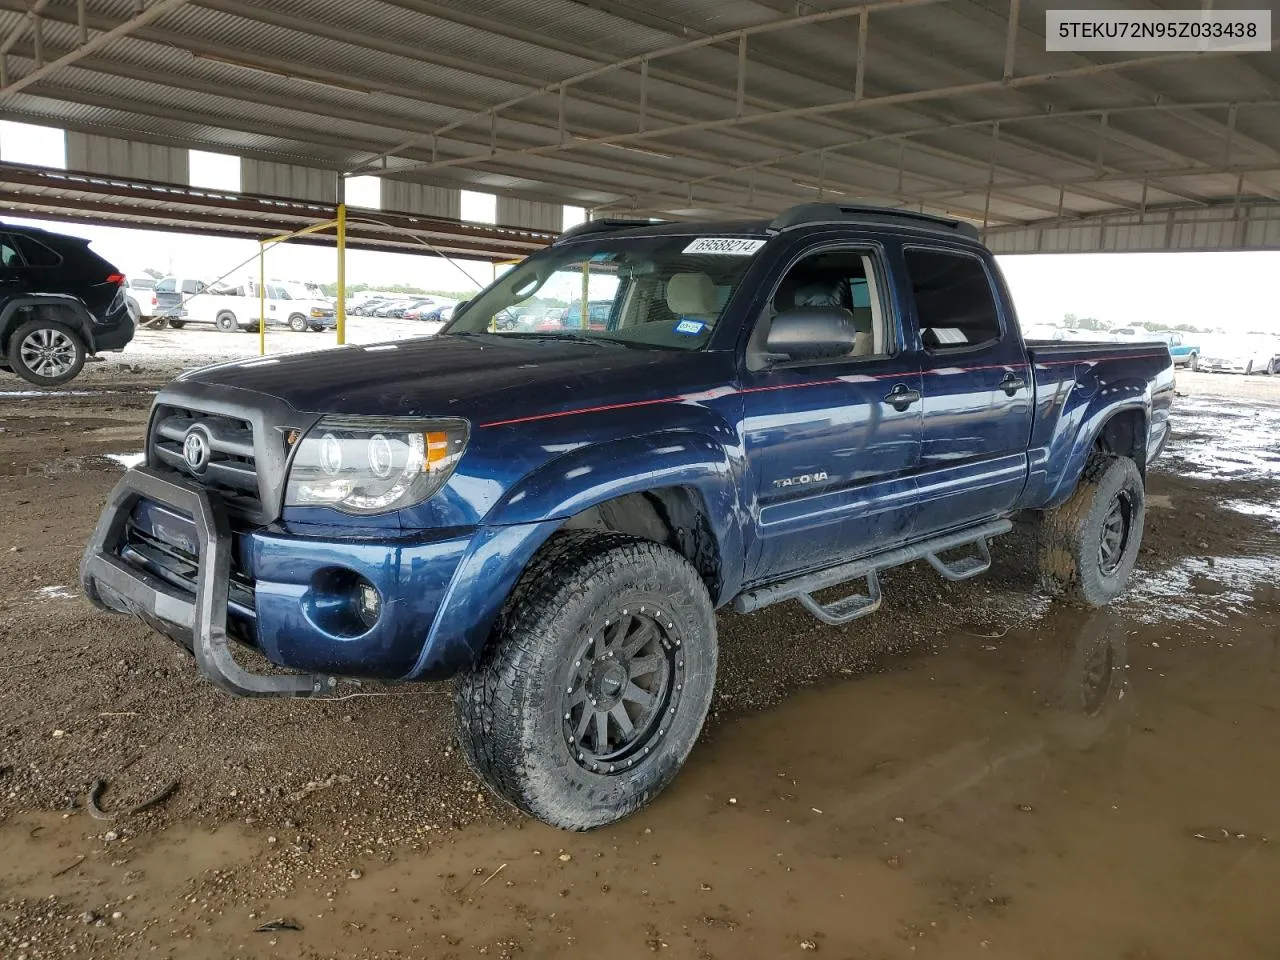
342, 274
262, 299
586, 279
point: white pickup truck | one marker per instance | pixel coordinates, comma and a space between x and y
231, 308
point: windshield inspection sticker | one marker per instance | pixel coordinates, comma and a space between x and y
725, 246
690, 328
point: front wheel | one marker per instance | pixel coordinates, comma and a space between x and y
46, 353
595, 683
298, 323
1193, 361
1089, 545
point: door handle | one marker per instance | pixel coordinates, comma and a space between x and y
1012, 384
901, 397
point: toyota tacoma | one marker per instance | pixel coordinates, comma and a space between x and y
766, 410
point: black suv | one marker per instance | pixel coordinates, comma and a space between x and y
59, 302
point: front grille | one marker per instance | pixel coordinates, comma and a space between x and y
176, 564
232, 467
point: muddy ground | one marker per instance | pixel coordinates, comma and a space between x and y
973, 772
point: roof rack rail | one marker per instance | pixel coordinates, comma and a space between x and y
599, 226
807, 214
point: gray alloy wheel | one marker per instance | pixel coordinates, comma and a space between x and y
46, 353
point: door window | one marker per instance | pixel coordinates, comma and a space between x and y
190, 287
839, 277
955, 307
36, 253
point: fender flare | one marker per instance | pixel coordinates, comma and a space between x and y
1134, 396
80, 320
536, 507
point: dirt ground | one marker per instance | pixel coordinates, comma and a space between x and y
973, 772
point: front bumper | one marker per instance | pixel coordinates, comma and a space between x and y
199, 621
165, 552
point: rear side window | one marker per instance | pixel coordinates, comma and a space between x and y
192, 286
36, 253
955, 307
9, 253
167, 285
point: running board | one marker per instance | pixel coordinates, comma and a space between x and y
965, 567
860, 604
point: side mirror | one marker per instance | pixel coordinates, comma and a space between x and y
811, 333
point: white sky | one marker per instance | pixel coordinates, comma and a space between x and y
1234, 291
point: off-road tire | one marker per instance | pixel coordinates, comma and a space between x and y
510, 707
66, 338
1070, 535
226, 322
298, 323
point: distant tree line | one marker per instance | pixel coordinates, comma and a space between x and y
1072, 322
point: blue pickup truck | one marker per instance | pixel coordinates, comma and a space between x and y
770, 409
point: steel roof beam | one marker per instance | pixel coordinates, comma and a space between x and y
157, 9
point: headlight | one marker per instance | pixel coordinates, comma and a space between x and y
365, 465
319, 312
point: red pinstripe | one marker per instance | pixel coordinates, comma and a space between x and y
603, 408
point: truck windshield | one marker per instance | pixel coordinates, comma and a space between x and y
661, 292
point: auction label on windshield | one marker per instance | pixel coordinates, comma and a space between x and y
1138, 31
725, 246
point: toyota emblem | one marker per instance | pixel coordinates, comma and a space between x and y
195, 450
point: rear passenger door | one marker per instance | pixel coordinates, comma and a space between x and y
832, 444
977, 389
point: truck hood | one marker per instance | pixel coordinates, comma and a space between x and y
481, 378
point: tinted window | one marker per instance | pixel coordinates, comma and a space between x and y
954, 303
9, 253
167, 285
36, 253
191, 286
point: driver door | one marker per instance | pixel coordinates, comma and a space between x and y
832, 445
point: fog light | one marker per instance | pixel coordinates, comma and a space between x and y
370, 605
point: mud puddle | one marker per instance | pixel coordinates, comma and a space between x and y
1223, 440
1060, 792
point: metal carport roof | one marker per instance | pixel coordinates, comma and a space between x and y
672, 108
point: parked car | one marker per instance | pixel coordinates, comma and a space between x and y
169, 297
598, 313
1250, 354
59, 303
555, 517
439, 313
138, 297
418, 308
231, 308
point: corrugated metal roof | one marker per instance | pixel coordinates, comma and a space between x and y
335, 83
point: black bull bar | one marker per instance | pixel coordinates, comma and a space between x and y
200, 624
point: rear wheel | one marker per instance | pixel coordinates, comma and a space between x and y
177, 324
1273, 367
595, 683
1089, 545
317, 327
1193, 361
298, 323
46, 352
226, 322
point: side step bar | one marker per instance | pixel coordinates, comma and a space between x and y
861, 604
